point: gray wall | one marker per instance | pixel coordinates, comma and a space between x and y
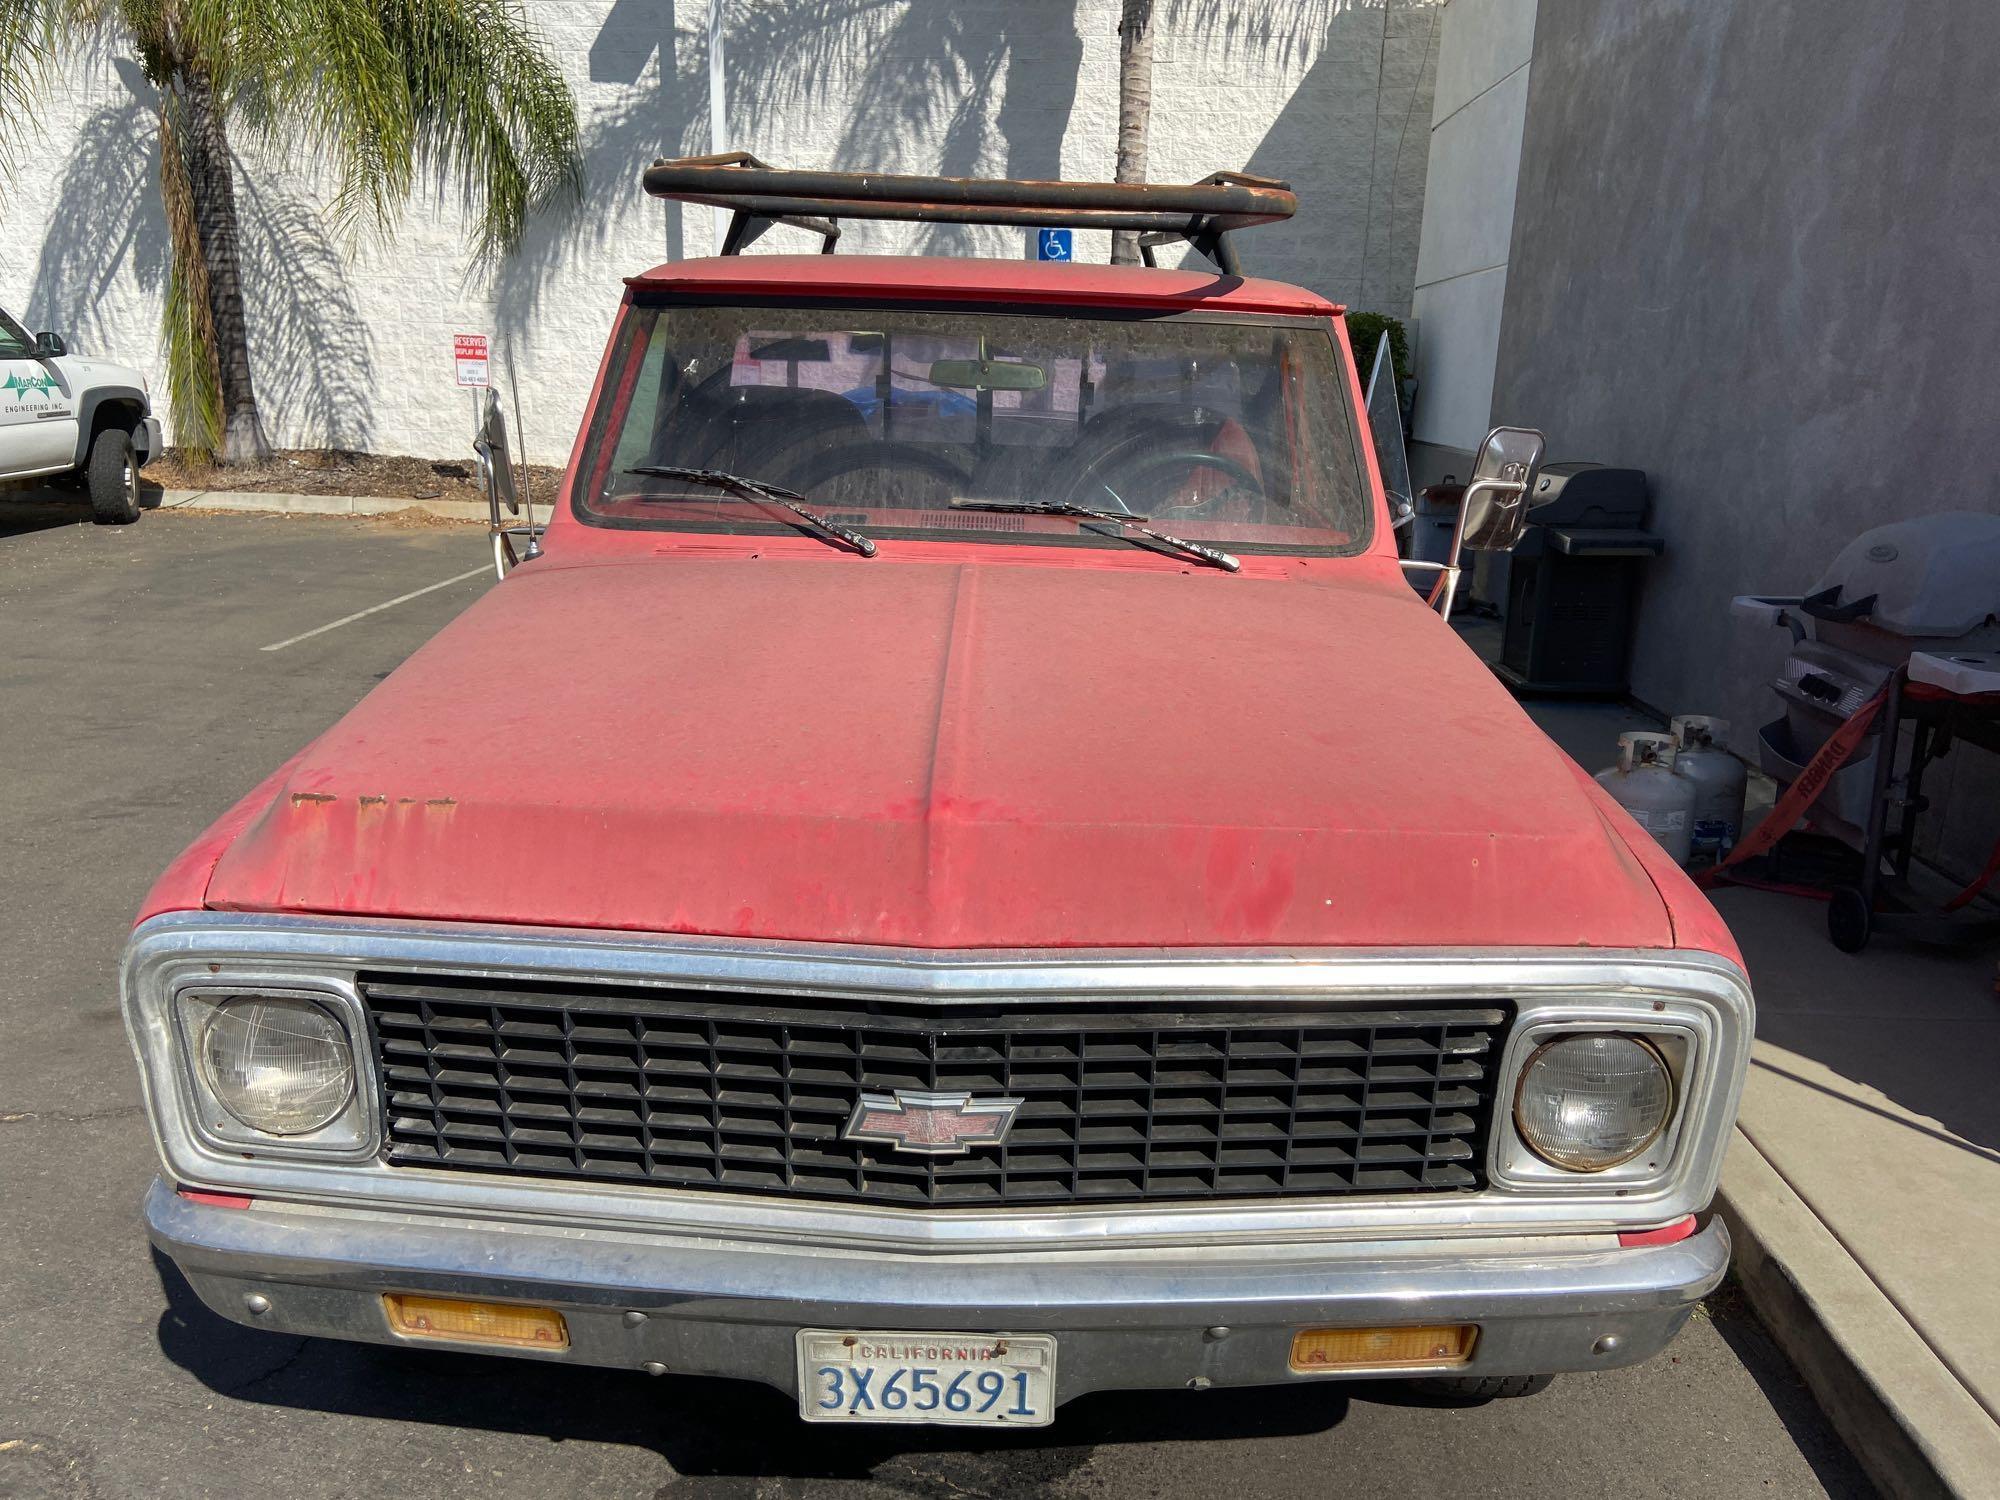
1756, 252
1478, 110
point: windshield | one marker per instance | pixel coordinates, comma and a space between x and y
1232, 430
14, 340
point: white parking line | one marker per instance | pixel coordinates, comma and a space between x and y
376, 609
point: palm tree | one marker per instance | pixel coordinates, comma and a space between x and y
386, 94
1135, 106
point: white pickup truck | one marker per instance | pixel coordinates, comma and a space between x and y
62, 416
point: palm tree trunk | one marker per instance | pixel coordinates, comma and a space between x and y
212, 186
1135, 106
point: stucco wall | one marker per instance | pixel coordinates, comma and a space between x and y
352, 333
1755, 252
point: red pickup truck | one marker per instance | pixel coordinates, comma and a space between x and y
960, 873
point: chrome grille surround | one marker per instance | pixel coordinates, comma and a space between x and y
1703, 997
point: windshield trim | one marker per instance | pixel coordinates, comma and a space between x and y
622, 362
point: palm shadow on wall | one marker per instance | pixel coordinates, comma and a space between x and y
310, 349
1367, 68
922, 78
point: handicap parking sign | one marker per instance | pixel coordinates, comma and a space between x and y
1054, 244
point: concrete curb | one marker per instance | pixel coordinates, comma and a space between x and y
258, 502
1909, 1421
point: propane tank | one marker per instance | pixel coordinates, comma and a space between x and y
1644, 784
1719, 778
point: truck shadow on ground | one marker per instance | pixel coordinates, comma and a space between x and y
1786, 1390
703, 1427
23, 511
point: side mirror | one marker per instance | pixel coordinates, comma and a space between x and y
50, 346
496, 471
496, 459
1495, 511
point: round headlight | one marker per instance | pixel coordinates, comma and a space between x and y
278, 1065
1587, 1103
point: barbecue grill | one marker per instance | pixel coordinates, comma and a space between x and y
1927, 585
1572, 580
1895, 659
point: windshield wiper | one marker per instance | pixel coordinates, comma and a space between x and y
757, 489
1089, 513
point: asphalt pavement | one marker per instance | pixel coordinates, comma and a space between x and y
138, 701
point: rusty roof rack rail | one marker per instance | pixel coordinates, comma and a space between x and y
758, 196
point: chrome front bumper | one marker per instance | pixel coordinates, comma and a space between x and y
1122, 1319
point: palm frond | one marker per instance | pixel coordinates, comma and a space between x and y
493, 116
314, 79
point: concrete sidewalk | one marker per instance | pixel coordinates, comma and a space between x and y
260, 502
1863, 1186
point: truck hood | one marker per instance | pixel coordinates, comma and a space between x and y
89, 374
949, 755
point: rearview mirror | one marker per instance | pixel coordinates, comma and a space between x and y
987, 375
1495, 510
804, 351
50, 346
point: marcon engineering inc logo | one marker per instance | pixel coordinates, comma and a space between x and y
17, 386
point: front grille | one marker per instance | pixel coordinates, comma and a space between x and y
1125, 1101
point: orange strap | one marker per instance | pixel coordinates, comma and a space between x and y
1813, 780
1801, 794
1979, 882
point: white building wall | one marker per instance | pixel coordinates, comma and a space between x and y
1479, 107
352, 331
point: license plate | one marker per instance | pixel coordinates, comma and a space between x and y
955, 1379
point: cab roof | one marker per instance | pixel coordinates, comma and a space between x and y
972, 279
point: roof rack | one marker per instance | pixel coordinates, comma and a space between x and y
1201, 213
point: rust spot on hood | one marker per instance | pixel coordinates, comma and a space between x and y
307, 799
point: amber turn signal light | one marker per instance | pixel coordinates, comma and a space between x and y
504, 1323
1441, 1346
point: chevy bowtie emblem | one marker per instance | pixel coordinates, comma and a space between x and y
931, 1124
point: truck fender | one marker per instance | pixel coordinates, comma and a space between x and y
86, 413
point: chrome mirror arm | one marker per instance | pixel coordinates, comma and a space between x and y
1444, 593
1445, 590
1515, 487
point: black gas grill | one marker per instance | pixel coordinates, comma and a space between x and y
1127, 1101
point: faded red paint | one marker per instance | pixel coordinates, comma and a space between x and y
956, 744
792, 743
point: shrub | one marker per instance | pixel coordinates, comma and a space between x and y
1365, 330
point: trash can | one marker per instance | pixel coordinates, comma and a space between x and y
1573, 578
